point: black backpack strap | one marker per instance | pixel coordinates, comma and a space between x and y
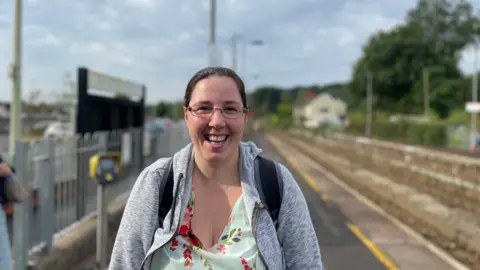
165, 200
269, 186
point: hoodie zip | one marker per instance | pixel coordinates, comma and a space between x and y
175, 199
256, 212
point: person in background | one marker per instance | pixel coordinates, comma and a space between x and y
5, 255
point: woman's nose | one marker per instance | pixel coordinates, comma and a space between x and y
217, 119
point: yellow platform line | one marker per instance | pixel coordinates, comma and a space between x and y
382, 257
374, 249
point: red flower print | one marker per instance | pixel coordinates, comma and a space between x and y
187, 253
221, 248
239, 233
174, 244
183, 231
188, 213
245, 264
192, 239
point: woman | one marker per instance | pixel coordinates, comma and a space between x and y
5, 256
218, 219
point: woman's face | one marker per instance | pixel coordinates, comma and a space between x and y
215, 135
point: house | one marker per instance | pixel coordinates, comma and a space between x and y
321, 109
298, 112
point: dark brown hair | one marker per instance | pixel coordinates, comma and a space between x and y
215, 71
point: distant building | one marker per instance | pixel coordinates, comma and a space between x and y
320, 109
298, 108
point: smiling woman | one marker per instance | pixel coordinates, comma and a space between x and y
217, 219
217, 106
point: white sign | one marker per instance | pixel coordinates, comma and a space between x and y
103, 82
472, 107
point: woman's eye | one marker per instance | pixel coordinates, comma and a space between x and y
231, 109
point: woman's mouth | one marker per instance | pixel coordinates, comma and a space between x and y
216, 139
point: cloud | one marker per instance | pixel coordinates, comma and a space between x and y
144, 4
161, 43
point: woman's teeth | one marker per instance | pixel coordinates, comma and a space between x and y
216, 138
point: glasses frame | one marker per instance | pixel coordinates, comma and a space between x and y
190, 109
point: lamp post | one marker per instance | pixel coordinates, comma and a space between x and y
368, 127
213, 55
235, 38
473, 135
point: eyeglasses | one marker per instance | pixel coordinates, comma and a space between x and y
230, 111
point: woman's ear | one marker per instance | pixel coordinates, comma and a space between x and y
185, 113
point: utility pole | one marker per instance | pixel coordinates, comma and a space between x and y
473, 138
368, 128
426, 92
212, 46
15, 73
71, 99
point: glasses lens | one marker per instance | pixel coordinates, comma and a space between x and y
232, 111
228, 111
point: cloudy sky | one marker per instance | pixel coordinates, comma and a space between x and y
161, 43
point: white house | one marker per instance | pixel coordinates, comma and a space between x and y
323, 109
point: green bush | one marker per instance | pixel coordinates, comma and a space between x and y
406, 132
459, 117
274, 122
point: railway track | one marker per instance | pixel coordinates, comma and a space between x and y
455, 151
451, 240
441, 149
455, 186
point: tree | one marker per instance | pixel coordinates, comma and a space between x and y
161, 109
176, 110
434, 34
446, 25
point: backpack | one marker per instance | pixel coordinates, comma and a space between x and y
269, 187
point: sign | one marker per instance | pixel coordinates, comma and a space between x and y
472, 107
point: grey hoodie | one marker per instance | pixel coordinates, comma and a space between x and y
294, 246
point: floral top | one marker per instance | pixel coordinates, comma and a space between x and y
236, 248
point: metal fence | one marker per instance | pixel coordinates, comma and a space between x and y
62, 194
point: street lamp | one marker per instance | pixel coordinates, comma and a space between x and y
213, 53
235, 38
473, 133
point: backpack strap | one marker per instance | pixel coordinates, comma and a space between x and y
269, 186
165, 200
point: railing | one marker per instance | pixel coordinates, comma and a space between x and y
62, 195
